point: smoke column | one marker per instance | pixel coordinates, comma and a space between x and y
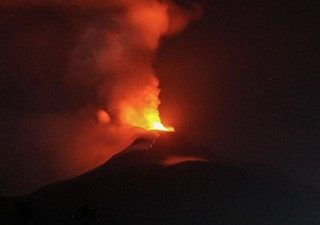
130, 87
114, 53
125, 53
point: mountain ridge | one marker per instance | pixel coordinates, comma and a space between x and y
133, 187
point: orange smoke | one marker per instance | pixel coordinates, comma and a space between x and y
140, 109
129, 87
129, 54
144, 117
112, 53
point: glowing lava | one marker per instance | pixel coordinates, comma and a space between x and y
147, 118
161, 127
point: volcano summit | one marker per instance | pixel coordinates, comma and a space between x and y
136, 187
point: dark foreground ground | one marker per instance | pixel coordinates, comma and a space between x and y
133, 188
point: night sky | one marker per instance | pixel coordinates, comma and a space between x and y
242, 80
247, 75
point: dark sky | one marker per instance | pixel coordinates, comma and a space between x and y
248, 81
243, 80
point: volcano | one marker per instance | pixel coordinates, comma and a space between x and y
137, 186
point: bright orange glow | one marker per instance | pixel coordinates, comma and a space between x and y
160, 126
146, 117
139, 107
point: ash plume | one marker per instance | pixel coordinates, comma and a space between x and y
107, 85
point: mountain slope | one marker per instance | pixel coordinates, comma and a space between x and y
134, 188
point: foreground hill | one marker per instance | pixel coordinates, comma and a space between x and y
135, 188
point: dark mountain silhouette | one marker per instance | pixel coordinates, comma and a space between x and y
134, 187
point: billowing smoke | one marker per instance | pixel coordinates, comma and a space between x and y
124, 56
112, 53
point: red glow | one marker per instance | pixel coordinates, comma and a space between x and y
173, 160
